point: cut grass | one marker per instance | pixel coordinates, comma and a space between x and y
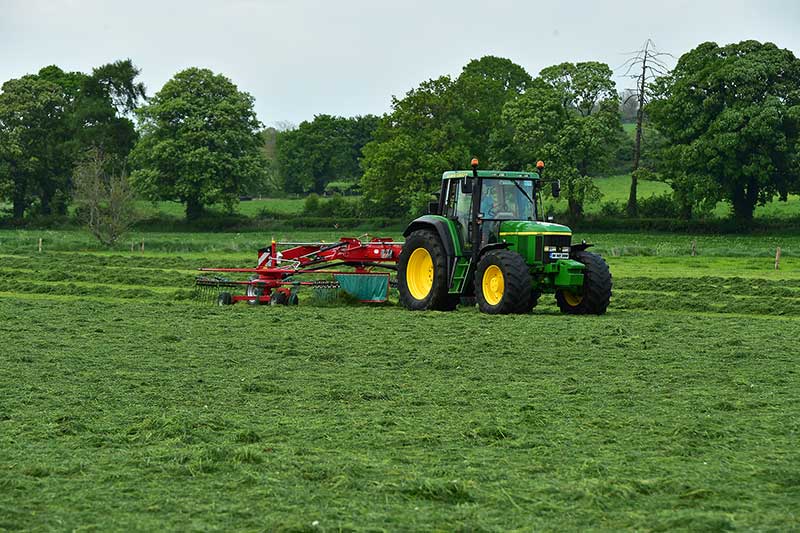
176, 415
123, 406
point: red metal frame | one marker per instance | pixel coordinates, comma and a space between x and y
275, 267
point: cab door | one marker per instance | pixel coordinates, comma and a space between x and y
458, 208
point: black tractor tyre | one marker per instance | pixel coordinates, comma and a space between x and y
225, 298
468, 301
516, 295
597, 284
437, 298
532, 302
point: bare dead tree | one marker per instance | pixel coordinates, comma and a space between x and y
643, 66
104, 197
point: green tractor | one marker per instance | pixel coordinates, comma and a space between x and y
485, 239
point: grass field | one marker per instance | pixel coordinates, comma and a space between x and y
614, 189
125, 405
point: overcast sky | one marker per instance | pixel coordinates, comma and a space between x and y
299, 58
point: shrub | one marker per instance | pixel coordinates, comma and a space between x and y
311, 205
659, 206
336, 206
612, 209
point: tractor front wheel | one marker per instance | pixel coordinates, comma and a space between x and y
596, 291
422, 274
503, 283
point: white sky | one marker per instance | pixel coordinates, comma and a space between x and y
299, 58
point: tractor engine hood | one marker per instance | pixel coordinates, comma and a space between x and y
527, 227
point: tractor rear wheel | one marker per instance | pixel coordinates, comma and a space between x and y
503, 283
596, 292
422, 274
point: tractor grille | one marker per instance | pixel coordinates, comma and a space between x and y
560, 241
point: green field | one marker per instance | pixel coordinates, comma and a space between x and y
249, 208
614, 189
126, 405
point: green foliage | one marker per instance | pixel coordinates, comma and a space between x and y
47, 120
31, 114
200, 142
334, 208
321, 151
731, 118
612, 209
311, 204
581, 86
437, 127
569, 117
659, 206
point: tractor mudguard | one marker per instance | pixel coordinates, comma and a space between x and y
490, 247
447, 234
579, 247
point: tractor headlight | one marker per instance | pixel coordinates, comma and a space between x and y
551, 248
565, 249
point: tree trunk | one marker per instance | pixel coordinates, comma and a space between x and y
744, 202
18, 198
20, 204
194, 209
633, 204
46, 202
575, 209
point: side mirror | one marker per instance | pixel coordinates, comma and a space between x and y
433, 208
466, 186
556, 188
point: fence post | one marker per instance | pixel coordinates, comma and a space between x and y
694, 248
142, 250
40, 245
777, 258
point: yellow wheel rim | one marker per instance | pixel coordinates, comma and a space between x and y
573, 299
493, 285
419, 273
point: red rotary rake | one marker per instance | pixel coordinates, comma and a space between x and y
274, 280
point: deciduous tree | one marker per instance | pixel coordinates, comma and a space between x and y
322, 150
200, 142
439, 126
731, 118
569, 117
31, 110
104, 197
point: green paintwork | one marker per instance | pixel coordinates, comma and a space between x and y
529, 226
568, 273
451, 227
460, 276
509, 175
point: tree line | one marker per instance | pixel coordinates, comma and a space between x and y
722, 125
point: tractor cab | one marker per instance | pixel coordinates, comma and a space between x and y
479, 202
486, 237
